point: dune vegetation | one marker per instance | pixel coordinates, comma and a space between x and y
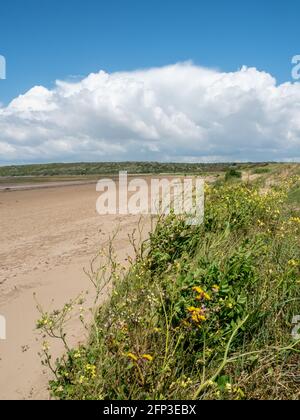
112, 168
204, 312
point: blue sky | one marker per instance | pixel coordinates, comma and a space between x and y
73, 91
48, 40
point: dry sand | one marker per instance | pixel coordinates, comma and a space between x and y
47, 237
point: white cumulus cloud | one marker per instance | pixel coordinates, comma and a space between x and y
181, 112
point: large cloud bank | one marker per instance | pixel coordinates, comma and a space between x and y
176, 113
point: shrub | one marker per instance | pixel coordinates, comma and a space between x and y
259, 171
232, 174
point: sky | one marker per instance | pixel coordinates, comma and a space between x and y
168, 80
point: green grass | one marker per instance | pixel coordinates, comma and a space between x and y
294, 196
259, 171
203, 313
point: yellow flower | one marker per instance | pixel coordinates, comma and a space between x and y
206, 296
198, 290
198, 318
215, 288
293, 263
197, 314
82, 379
91, 370
133, 357
201, 294
147, 357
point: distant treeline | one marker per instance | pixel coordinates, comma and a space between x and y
78, 169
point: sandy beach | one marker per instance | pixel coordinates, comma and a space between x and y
48, 235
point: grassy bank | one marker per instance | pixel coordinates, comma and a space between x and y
204, 312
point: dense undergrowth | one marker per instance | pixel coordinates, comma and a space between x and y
204, 313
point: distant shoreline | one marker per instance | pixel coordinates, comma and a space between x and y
25, 187
22, 185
